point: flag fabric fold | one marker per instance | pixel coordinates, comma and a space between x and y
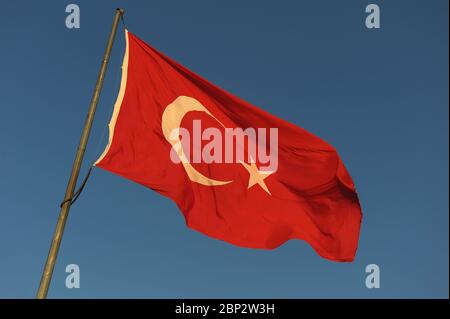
172, 131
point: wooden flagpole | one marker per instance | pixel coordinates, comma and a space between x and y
59, 230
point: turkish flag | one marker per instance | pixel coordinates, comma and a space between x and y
172, 131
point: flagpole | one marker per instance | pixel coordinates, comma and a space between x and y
59, 230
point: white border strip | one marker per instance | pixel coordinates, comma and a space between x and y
118, 104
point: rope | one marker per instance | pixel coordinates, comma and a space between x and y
83, 183
79, 190
123, 21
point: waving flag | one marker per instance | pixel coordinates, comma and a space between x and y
236, 172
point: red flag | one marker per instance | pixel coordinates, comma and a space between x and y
236, 172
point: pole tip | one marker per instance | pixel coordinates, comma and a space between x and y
121, 10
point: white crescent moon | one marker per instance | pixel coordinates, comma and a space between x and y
171, 120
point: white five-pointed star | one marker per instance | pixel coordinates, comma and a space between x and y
256, 176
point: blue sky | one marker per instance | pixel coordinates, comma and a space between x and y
379, 96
